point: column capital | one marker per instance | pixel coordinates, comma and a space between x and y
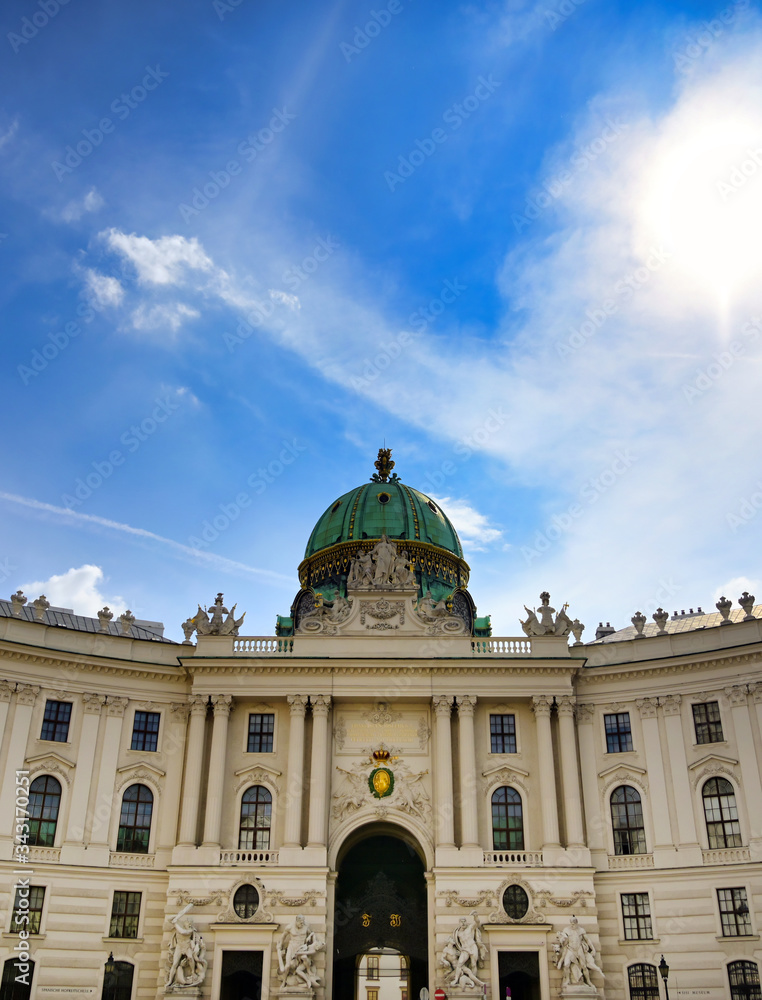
541, 706
466, 704
321, 705
585, 714
197, 703
27, 693
298, 703
755, 690
5, 691
565, 704
671, 704
647, 707
222, 704
115, 707
179, 710
93, 703
442, 704
736, 694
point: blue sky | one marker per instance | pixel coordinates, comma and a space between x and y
245, 243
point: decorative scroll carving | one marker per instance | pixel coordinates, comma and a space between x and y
382, 611
580, 896
671, 704
261, 916
218, 898
309, 898
647, 707
486, 897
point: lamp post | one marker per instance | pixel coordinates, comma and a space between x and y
664, 970
108, 979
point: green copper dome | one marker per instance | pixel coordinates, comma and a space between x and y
384, 508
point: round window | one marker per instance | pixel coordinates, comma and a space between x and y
432, 506
383, 498
515, 902
246, 901
336, 506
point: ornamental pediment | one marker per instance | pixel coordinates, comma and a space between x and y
50, 758
622, 769
712, 758
257, 774
505, 768
139, 771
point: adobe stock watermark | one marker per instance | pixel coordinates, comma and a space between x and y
589, 494
224, 7
747, 510
363, 36
625, 288
122, 107
454, 117
258, 481
698, 44
467, 447
555, 18
722, 362
131, 439
740, 174
553, 187
31, 26
57, 341
248, 150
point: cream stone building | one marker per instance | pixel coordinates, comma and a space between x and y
383, 797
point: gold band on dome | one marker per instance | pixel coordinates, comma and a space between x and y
432, 560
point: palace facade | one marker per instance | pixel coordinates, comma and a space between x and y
382, 768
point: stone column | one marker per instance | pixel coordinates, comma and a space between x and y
104, 796
321, 706
443, 771
575, 836
541, 705
295, 785
26, 695
222, 703
656, 782
681, 786
83, 776
175, 724
593, 822
6, 691
752, 787
469, 812
193, 764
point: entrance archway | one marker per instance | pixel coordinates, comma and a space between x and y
381, 906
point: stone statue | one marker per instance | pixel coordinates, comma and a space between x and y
360, 570
187, 952
385, 554
297, 948
402, 574
217, 624
576, 955
431, 610
464, 952
545, 624
382, 568
325, 614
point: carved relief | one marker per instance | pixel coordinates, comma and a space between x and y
647, 707
382, 611
309, 898
258, 775
486, 897
261, 916
532, 916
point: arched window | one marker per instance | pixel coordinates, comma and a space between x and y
17, 980
744, 981
135, 820
117, 985
627, 821
721, 813
256, 813
644, 983
44, 803
507, 820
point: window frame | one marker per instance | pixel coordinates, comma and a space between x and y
144, 731
745, 990
248, 733
514, 735
14, 929
135, 827
269, 829
56, 722
648, 991
124, 915
34, 840
628, 829
616, 732
642, 917
722, 821
738, 919
492, 826
709, 723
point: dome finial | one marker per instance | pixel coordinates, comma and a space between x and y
384, 464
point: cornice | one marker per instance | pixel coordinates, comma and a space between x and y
451, 665
673, 665
102, 665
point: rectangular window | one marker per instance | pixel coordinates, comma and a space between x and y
145, 731
706, 719
618, 733
55, 722
734, 912
372, 967
372, 995
125, 913
502, 731
28, 919
636, 911
261, 729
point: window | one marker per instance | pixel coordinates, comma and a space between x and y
246, 902
145, 731
256, 813
135, 820
44, 803
125, 912
734, 912
618, 733
502, 731
636, 912
261, 729
372, 967
55, 722
644, 983
627, 821
744, 981
706, 719
722, 826
17, 980
507, 820
372, 995
27, 909
515, 902
117, 985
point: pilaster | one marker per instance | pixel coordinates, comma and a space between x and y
321, 706
98, 848
192, 780
73, 849
222, 705
737, 695
469, 809
26, 695
541, 706
443, 771
575, 837
663, 848
295, 786
689, 847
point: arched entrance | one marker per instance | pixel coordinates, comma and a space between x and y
381, 908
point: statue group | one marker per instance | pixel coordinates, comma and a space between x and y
187, 953
464, 953
297, 948
381, 568
575, 955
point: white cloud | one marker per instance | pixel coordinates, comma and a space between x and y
169, 316
734, 588
78, 589
474, 529
9, 133
163, 261
292, 301
102, 289
91, 202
